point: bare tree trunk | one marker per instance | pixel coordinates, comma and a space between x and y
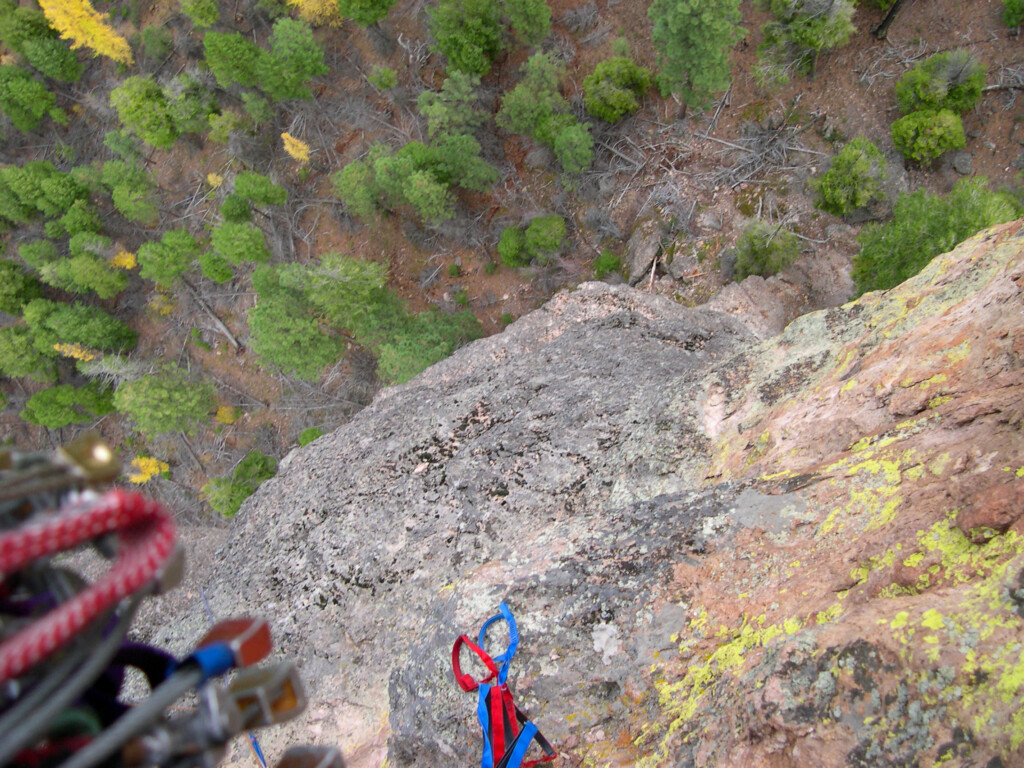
882, 29
218, 323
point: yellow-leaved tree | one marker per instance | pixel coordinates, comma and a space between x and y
319, 13
85, 27
297, 149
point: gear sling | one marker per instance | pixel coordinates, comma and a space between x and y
504, 742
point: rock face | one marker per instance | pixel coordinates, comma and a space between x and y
721, 550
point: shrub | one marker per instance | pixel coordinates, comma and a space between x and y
544, 237
309, 434
924, 226
383, 78
226, 495
605, 264
259, 189
854, 179
950, 80
925, 135
614, 89
203, 13
764, 249
512, 247
1013, 12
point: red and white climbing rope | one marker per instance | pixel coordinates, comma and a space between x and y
146, 535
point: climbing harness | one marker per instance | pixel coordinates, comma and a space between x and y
507, 733
63, 646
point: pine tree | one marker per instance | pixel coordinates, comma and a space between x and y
365, 12
166, 260
232, 59
17, 287
202, 13
52, 323
693, 39
295, 58
802, 29
142, 107
239, 242
19, 355
28, 33
131, 190
24, 99
78, 21
169, 400
285, 333
455, 108
65, 404
530, 20
468, 33
923, 226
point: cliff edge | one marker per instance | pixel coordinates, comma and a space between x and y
721, 550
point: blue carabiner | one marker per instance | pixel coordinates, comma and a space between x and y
513, 640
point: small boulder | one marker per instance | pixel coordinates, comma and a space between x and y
643, 248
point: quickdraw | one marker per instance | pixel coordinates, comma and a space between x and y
507, 733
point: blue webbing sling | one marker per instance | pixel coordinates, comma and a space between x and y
507, 734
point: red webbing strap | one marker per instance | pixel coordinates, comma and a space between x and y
497, 711
468, 682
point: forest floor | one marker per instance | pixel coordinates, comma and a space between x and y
689, 175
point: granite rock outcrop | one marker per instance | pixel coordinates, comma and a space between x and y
721, 549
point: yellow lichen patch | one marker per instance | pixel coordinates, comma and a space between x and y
214, 179
680, 700
931, 381
935, 402
958, 353
848, 385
